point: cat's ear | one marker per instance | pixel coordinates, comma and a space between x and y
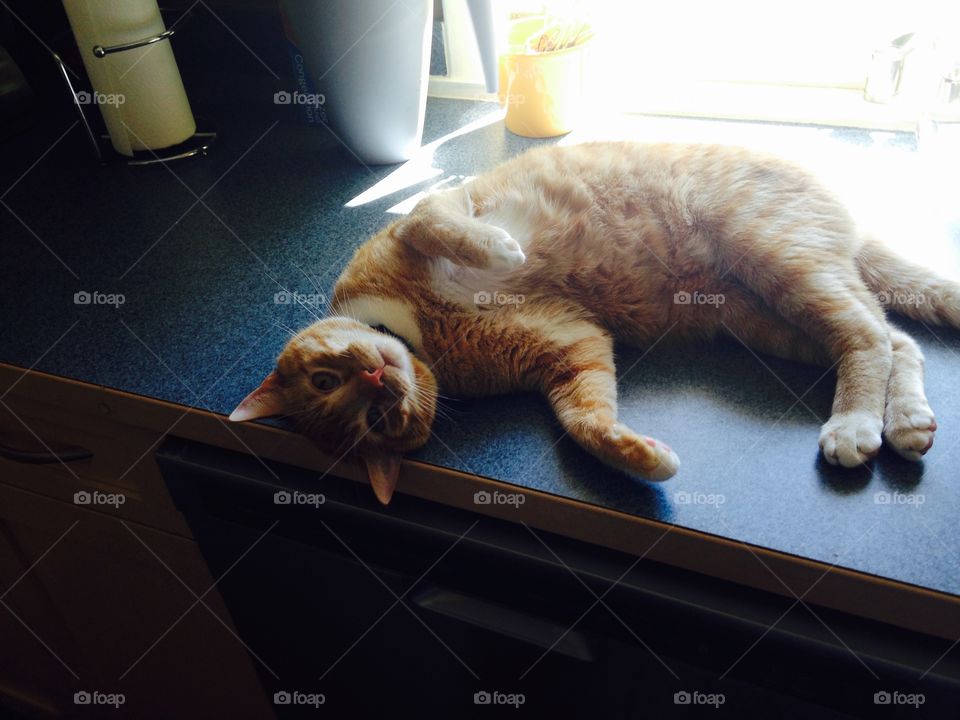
383, 469
265, 401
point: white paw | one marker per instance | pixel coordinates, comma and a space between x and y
909, 427
850, 439
503, 252
669, 462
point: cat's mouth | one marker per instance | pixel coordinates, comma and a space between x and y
389, 411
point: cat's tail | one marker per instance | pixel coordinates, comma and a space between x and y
908, 289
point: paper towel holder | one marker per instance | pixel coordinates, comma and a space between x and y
198, 144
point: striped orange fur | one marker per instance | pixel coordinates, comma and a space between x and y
522, 278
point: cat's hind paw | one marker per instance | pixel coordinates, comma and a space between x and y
909, 427
503, 252
850, 439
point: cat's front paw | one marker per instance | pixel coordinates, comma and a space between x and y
909, 427
503, 252
850, 439
644, 456
669, 462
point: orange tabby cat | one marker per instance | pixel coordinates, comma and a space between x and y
521, 279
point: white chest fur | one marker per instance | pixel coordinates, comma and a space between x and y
394, 314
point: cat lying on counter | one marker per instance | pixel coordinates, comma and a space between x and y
522, 278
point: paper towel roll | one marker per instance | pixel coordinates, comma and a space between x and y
139, 92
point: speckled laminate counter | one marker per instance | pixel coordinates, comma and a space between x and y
201, 250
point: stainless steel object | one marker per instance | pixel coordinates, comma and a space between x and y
948, 92
938, 130
886, 70
101, 51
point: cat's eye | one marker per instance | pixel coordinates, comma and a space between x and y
325, 381
374, 415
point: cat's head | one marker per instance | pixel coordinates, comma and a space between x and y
350, 389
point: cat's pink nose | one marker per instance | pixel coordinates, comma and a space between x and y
373, 377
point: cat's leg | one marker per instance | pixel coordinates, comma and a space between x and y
828, 300
581, 385
553, 348
442, 225
908, 421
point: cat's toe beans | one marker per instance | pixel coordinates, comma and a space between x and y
910, 430
851, 439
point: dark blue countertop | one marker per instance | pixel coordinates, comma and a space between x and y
283, 207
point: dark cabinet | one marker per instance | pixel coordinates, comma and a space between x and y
423, 608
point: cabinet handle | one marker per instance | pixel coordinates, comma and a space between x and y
45, 457
515, 624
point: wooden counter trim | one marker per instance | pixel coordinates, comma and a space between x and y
908, 606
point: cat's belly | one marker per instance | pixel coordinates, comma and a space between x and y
638, 308
474, 289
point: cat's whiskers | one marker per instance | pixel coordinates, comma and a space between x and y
295, 413
293, 333
310, 280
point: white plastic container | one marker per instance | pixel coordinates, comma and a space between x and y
370, 61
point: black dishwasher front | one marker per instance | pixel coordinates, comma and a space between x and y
357, 610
